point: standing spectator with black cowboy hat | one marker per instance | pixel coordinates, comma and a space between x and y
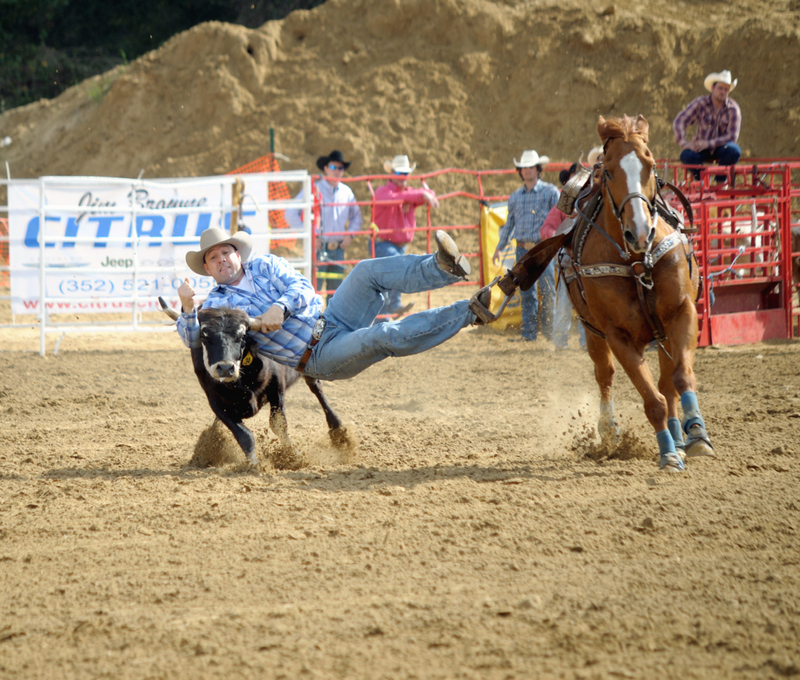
338, 214
719, 121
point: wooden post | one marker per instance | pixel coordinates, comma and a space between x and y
237, 196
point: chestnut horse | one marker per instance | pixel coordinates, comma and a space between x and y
632, 279
648, 292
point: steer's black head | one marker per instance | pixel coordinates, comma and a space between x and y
223, 333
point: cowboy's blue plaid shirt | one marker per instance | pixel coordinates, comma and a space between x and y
527, 211
275, 281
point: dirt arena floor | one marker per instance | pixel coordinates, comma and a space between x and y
470, 536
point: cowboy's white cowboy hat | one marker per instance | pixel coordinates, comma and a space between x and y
721, 77
214, 237
399, 164
594, 153
531, 158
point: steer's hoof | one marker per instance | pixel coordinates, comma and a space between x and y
671, 462
341, 438
697, 442
288, 458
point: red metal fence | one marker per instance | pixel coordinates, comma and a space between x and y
745, 249
744, 246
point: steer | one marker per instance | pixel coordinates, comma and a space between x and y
238, 381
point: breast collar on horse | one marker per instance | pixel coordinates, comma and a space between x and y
641, 271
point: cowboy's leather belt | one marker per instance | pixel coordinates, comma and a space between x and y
316, 334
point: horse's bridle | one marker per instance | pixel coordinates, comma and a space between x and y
617, 210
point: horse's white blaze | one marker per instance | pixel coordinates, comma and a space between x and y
632, 167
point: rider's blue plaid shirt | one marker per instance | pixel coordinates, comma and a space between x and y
527, 211
274, 280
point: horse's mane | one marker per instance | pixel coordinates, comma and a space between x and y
623, 128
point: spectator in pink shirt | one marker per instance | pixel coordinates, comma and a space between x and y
395, 219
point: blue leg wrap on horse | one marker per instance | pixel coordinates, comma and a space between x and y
670, 459
666, 444
691, 411
674, 426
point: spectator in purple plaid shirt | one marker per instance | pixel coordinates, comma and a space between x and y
718, 119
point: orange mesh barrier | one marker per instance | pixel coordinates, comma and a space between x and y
4, 279
278, 191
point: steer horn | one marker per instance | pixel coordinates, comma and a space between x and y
171, 313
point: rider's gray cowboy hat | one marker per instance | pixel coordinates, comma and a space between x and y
336, 157
530, 159
215, 237
721, 77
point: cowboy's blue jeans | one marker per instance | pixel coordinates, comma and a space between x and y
393, 301
530, 302
563, 318
351, 343
729, 154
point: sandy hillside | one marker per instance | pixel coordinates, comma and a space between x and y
454, 83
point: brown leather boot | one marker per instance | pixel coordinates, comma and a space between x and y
448, 257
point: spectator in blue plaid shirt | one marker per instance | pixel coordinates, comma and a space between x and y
270, 289
528, 207
718, 119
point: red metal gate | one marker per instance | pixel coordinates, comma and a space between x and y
744, 249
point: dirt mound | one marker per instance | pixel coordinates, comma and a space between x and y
453, 83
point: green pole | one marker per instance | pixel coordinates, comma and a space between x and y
272, 140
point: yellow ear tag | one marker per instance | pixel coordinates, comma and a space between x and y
248, 359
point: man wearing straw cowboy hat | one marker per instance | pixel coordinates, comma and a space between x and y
528, 207
293, 330
718, 119
395, 203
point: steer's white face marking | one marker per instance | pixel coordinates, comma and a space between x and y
214, 369
632, 167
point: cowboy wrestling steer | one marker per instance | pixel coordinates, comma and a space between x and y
238, 381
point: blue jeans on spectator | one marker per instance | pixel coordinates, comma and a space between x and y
332, 274
530, 302
563, 319
723, 155
388, 249
351, 343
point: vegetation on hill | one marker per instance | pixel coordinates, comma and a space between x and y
50, 45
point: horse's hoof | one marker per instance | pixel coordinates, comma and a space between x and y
671, 462
608, 430
697, 442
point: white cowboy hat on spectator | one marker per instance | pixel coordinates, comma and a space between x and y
721, 77
531, 158
214, 237
594, 154
399, 164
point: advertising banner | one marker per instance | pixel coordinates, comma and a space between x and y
109, 244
